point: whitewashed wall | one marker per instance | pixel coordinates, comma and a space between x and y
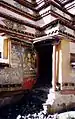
45, 20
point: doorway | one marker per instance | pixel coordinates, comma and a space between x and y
44, 51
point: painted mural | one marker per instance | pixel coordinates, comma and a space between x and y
29, 67
22, 66
30, 59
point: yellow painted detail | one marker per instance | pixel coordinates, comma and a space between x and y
5, 49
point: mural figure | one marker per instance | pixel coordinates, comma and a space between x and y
30, 59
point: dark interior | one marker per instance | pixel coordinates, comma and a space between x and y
44, 51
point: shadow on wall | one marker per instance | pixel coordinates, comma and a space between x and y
44, 65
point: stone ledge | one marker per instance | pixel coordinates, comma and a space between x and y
59, 103
68, 91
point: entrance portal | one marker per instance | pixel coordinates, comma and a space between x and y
44, 64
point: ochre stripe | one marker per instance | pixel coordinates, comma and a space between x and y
5, 49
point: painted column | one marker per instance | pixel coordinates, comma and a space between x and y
57, 62
65, 63
54, 68
58, 66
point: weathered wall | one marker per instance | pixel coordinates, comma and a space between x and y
65, 72
21, 65
65, 60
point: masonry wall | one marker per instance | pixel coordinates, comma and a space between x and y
65, 71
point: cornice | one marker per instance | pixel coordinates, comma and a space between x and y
64, 22
68, 1
56, 15
35, 16
21, 35
43, 6
17, 10
18, 41
37, 3
26, 4
68, 24
67, 35
49, 24
47, 3
60, 16
62, 9
26, 36
19, 21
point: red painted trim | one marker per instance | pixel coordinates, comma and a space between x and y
28, 83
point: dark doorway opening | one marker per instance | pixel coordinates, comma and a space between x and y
44, 51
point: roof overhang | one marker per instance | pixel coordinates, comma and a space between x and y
46, 40
39, 39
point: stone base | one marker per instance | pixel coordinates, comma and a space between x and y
58, 102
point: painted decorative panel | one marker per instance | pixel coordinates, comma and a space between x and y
23, 66
15, 55
13, 74
29, 68
29, 62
